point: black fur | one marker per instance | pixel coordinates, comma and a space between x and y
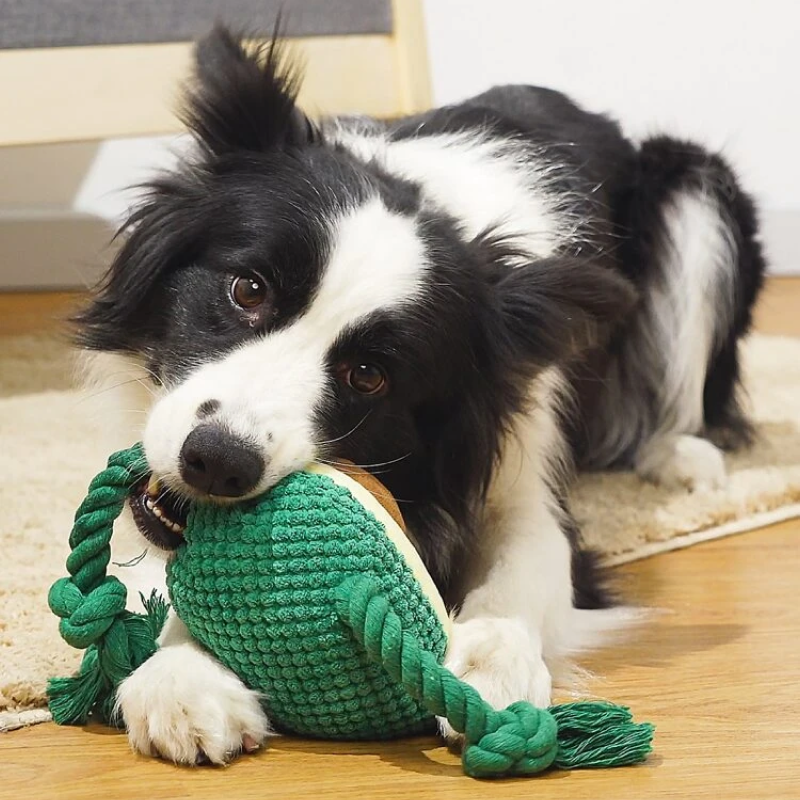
245, 101
450, 406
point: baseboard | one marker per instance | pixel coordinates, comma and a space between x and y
52, 249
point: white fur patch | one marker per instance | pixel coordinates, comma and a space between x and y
183, 705
690, 308
117, 394
517, 627
499, 658
139, 565
654, 386
687, 462
484, 182
269, 388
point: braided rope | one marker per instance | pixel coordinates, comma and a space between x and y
519, 740
91, 604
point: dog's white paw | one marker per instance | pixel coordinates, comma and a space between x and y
682, 461
184, 706
498, 657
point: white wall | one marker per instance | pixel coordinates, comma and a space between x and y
724, 72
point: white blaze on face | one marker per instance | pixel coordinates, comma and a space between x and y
268, 389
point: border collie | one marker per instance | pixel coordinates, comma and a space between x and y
470, 303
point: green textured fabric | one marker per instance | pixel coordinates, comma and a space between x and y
256, 585
303, 595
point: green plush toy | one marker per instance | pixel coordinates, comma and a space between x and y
314, 596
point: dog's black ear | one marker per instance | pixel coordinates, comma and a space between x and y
243, 99
555, 307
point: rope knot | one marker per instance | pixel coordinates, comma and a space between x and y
520, 740
86, 617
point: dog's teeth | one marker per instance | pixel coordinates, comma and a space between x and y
151, 502
173, 526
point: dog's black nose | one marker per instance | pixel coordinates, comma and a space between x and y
215, 461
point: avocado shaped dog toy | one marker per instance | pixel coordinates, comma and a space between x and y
314, 596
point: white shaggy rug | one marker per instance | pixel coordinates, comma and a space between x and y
49, 450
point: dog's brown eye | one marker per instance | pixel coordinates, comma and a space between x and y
249, 292
367, 379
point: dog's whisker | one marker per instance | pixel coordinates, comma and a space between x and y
387, 495
134, 371
334, 463
147, 388
349, 433
133, 562
105, 389
385, 463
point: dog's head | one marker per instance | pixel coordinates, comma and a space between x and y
295, 303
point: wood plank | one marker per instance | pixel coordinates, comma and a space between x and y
411, 53
778, 309
36, 312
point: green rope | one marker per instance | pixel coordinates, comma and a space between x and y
91, 604
519, 740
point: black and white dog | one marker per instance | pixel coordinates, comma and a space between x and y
468, 302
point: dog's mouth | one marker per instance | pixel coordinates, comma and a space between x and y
159, 515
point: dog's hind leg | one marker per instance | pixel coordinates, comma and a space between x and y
691, 246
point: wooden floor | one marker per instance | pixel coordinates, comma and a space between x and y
717, 671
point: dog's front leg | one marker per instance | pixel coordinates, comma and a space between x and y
183, 705
517, 606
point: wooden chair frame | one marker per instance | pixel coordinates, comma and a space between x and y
67, 94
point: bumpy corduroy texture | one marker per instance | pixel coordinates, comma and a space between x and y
256, 585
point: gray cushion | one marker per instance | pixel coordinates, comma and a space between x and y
54, 23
